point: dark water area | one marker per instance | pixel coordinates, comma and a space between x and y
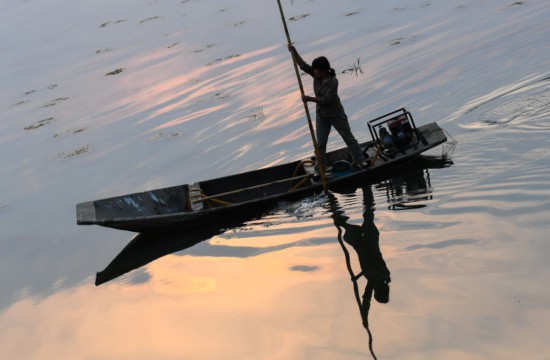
437, 259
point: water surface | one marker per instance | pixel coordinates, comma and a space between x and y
102, 99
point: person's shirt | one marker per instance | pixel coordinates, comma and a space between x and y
326, 92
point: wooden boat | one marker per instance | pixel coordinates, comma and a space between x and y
395, 139
147, 247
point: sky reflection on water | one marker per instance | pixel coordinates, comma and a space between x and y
468, 259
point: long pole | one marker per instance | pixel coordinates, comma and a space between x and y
308, 115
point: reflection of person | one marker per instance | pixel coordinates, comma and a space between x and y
365, 241
330, 111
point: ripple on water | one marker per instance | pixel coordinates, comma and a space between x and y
525, 106
517, 188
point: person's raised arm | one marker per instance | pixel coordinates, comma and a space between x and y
297, 56
301, 63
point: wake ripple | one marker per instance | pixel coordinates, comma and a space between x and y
525, 107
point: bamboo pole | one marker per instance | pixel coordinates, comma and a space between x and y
306, 108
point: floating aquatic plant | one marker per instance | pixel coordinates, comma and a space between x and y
149, 19
104, 50
20, 103
114, 72
79, 151
353, 13
39, 124
222, 59
257, 114
55, 101
298, 17
354, 68
70, 131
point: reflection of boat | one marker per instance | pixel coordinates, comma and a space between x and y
144, 248
411, 185
253, 192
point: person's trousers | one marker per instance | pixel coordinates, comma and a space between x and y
341, 124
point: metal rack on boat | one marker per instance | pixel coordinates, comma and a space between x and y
395, 131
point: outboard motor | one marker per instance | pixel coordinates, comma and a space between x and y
394, 132
401, 130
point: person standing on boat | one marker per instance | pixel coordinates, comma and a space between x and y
330, 112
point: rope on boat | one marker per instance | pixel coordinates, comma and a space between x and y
300, 165
205, 198
214, 198
299, 184
209, 198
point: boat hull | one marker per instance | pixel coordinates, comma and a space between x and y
242, 196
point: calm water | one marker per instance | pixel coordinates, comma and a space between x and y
101, 99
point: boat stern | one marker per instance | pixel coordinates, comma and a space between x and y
85, 213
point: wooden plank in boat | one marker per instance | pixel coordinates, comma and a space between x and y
195, 195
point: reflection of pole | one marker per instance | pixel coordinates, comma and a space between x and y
338, 216
306, 108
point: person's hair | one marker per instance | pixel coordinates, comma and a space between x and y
323, 64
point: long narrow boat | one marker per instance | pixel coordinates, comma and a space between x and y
406, 187
395, 139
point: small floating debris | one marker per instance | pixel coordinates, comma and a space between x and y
257, 114
55, 101
298, 17
396, 41
206, 47
149, 19
222, 59
221, 96
20, 103
115, 72
161, 135
70, 131
105, 24
79, 151
39, 124
514, 4
104, 50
